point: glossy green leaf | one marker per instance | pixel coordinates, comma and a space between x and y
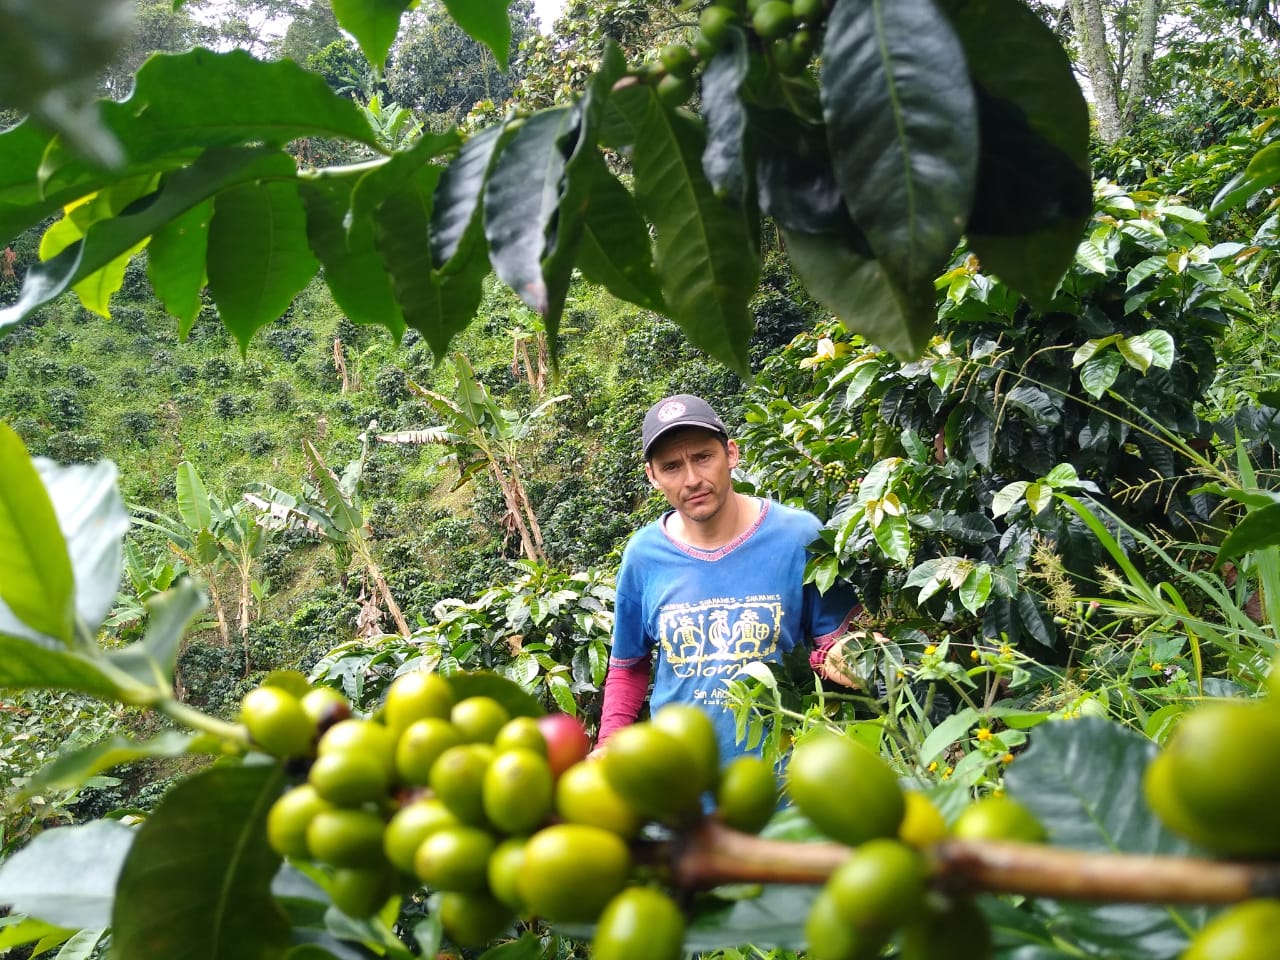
795, 182
893, 534
902, 128
193, 499
1159, 347
522, 200
1039, 496
1262, 172
37, 585
485, 21
582, 161
1008, 497
862, 294
1069, 778
72, 770
438, 304
353, 266
615, 250
67, 876
723, 158
459, 192
183, 102
374, 24
108, 239
24, 665
1258, 530
203, 855
1099, 372
175, 263
706, 254
1034, 191
259, 258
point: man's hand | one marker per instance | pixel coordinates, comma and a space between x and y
838, 666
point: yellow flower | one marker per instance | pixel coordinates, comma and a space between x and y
1007, 758
933, 767
946, 774
1157, 666
930, 650
984, 733
974, 655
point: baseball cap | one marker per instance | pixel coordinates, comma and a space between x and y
681, 410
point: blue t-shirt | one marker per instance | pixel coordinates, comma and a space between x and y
710, 612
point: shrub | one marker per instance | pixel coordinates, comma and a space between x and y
63, 408
68, 447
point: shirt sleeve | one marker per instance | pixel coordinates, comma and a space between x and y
828, 616
625, 688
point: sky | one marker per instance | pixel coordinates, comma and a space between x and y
547, 11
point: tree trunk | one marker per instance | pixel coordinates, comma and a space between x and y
224, 628
385, 592
530, 548
1144, 51
246, 613
526, 508
1091, 32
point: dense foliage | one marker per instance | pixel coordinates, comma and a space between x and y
1054, 489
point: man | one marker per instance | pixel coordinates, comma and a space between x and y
714, 584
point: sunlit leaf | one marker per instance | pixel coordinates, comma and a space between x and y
37, 585
67, 876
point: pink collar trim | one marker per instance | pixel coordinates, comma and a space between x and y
712, 555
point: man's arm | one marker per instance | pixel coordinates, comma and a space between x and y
625, 687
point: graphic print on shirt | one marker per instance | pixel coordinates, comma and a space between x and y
715, 637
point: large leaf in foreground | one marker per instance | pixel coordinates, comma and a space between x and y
705, 252
862, 294
107, 240
197, 883
374, 24
1034, 193
182, 102
25, 665
37, 589
902, 130
1083, 779
259, 258
522, 199
485, 21
615, 250
353, 267
67, 876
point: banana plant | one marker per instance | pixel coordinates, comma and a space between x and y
330, 509
208, 536
484, 437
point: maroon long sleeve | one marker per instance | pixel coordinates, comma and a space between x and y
625, 688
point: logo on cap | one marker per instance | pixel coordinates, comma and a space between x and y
671, 410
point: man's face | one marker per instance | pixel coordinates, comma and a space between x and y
691, 467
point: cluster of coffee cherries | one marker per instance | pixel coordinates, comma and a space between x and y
882, 889
505, 816
787, 30
1213, 783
